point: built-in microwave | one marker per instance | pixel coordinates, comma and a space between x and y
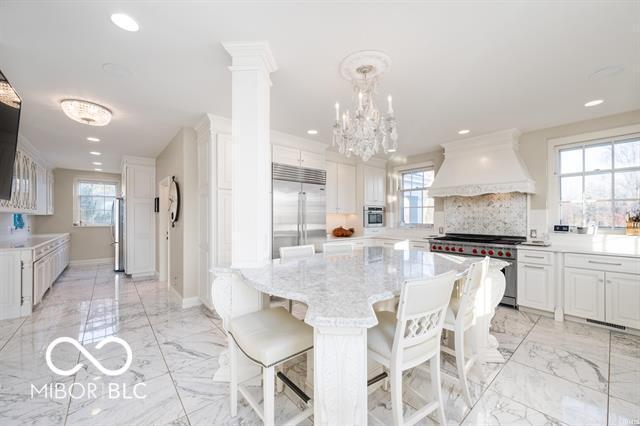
373, 216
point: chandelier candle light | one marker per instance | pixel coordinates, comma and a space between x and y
366, 130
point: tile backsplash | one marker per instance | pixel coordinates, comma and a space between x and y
7, 233
492, 214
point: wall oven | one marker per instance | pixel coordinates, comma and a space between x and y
373, 217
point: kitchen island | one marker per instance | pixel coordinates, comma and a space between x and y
340, 291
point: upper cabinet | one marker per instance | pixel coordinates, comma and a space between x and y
298, 158
30, 187
374, 186
50, 182
341, 188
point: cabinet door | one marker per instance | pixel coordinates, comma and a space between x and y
312, 160
346, 188
41, 189
584, 293
374, 179
10, 290
50, 181
286, 155
535, 286
623, 297
332, 187
224, 161
223, 227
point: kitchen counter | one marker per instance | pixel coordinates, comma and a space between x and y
392, 233
607, 245
30, 243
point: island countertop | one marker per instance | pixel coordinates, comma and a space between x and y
340, 290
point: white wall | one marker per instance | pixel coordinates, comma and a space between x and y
7, 233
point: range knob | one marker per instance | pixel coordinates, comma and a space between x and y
508, 254
475, 251
499, 253
447, 248
439, 247
483, 251
460, 249
433, 247
490, 252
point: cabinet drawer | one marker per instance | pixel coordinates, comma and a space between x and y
419, 246
534, 256
603, 263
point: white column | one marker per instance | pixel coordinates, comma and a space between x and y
252, 62
487, 299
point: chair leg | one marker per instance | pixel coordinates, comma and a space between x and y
233, 361
290, 306
268, 398
279, 383
396, 395
436, 383
460, 362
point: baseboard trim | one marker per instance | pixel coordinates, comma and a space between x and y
103, 261
190, 302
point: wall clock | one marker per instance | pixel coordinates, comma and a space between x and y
174, 201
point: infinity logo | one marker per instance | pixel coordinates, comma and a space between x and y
88, 355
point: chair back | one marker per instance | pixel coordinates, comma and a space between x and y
474, 280
421, 313
337, 248
297, 251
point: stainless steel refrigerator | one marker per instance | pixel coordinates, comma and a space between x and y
117, 233
299, 215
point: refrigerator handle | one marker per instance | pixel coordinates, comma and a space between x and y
300, 237
113, 222
304, 216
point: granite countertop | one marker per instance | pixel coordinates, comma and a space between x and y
341, 289
29, 243
604, 244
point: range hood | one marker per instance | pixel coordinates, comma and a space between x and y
484, 164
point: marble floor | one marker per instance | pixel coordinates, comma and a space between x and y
556, 373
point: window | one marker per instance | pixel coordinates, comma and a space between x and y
93, 202
416, 207
599, 182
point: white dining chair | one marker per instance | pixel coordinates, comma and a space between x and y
337, 248
461, 317
296, 252
269, 338
411, 337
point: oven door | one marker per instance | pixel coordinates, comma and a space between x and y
373, 218
510, 297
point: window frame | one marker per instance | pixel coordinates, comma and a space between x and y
607, 137
76, 198
399, 172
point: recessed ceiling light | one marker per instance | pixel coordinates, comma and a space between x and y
95, 153
116, 70
92, 139
125, 22
594, 102
98, 170
312, 132
463, 131
86, 112
97, 163
606, 72
391, 150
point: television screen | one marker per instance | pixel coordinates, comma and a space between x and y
10, 105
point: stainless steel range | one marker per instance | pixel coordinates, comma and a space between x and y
497, 246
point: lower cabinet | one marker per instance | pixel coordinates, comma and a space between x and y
535, 286
584, 293
623, 297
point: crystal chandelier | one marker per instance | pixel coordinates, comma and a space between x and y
8, 96
86, 112
363, 131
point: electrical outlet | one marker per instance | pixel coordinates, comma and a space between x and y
533, 233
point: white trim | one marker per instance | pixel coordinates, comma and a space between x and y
601, 134
92, 179
100, 261
190, 302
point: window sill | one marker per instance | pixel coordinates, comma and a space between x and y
91, 226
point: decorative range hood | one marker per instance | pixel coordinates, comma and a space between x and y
484, 164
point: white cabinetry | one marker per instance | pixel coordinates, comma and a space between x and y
298, 158
584, 293
374, 186
49, 262
623, 299
536, 286
49, 192
32, 191
340, 188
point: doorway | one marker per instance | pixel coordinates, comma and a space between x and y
164, 246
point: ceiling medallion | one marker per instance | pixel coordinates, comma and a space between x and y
86, 112
8, 96
365, 130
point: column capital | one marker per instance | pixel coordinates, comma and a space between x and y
251, 55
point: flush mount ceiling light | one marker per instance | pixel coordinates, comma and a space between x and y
86, 112
98, 170
97, 163
463, 131
594, 102
95, 153
125, 22
312, 132
92, 139
8, 96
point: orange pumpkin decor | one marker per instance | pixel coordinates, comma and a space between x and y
341, 232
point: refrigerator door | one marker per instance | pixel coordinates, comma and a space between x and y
314, 227
286, 215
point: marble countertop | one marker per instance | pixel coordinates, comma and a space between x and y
604, 244
29, 243
341, 289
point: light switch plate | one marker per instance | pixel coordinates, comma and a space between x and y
533, 233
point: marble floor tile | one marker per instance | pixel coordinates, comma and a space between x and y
553, 396
182, 351
623, 413
8, 328
196, 386
510, 327
180, 323
494, 409
19, 405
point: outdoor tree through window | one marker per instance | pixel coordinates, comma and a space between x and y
94, 202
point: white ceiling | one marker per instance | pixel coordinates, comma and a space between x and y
481, 66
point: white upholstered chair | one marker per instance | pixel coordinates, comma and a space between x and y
337, 248
411, 337
269, 338
461, 317
296, 252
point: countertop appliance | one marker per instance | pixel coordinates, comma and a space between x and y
299, 214
373, 217
497, 246
117, 234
